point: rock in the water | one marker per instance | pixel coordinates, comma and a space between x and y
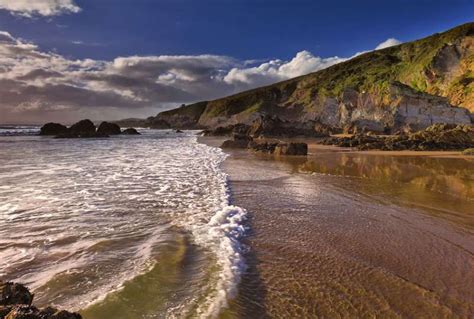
53, 129
31, 312
15, 303
83, 128
13, 293
291, 149
178, 131
130, 131
106, 128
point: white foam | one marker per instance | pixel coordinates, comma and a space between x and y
116, 189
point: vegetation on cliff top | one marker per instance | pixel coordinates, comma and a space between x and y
440, 65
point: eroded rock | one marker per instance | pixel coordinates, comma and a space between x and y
291, 149
130, 131
434, 138
53, 129
82, 128
106, 128
13, 293
16, 300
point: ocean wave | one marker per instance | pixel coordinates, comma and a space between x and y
105, 213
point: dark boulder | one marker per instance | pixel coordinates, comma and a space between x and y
291, 149
130, 131
106, 128
237, 141
264, 147
15, 303
235, 144
13, 293
83, 128
53, 129
178, 131
31, 312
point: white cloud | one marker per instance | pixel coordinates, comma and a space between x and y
388, 43
36, 85
277, 70
30, 8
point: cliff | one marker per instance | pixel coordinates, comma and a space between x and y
407, 87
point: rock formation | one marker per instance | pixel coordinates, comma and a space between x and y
16, 303
407, 88
130, 131
53, 129
106, 128
85, 129
434, 138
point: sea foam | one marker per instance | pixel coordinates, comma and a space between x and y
104, 207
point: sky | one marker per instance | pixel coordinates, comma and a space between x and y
64, 60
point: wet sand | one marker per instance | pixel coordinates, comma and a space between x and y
355, 234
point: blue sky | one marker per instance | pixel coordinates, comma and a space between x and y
109, 59
245, 29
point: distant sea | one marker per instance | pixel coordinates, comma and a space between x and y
18, 130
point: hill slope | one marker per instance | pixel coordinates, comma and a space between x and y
409, 86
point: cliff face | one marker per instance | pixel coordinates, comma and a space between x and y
407, 87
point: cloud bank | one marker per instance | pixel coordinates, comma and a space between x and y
38, 86
48, 8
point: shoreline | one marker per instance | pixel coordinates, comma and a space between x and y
309, 232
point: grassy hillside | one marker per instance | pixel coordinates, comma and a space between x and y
441, 65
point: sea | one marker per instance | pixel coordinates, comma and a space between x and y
120, 227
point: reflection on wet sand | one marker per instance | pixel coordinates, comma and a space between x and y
443, 186
354, 235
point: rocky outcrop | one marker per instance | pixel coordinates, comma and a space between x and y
291, 149
280, 148
403, 88
468, 151
130, 131
435, 138
53, 129
13, 293
85, 129
16, 303
184, 117
106, 128
238, 141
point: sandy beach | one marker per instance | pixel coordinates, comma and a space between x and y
355, 234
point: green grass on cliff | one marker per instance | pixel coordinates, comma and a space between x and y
375, 71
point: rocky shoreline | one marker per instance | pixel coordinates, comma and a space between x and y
438, 137
16, 303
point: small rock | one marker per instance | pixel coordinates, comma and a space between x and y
179, 131
130, 131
